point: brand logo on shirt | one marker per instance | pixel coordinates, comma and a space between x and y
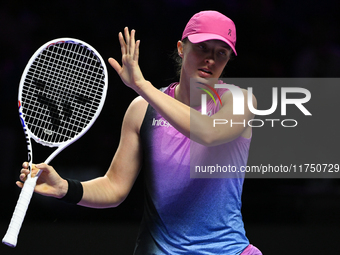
160, 122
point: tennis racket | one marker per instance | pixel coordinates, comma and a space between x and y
61, 93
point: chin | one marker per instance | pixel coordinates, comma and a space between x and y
211, 80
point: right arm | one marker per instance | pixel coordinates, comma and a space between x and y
111, 189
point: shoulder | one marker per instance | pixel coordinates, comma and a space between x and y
138, 105
135, 113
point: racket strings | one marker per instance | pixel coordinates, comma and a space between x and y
62, 91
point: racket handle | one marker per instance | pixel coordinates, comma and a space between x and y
12, 233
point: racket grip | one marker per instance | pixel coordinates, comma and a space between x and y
12, 233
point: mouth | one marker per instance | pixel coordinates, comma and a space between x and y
204, 73
205, 70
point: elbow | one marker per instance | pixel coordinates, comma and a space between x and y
215, 137
114, 194
116, 197
208, 139
118, 200
207, 142
212, 143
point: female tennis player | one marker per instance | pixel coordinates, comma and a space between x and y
182, 215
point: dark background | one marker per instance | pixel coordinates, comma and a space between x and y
283, 38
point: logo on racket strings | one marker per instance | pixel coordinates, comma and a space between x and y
52, 104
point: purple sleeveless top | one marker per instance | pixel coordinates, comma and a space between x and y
184, 215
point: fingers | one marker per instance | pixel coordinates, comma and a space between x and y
128, 45
115, 65
122, 43
35, 170
42, 166
127, 40
134, 46
24, 171
129, 48
19, 184
23, 174
136, 55
132, 43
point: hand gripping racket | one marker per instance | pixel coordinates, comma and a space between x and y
62, 91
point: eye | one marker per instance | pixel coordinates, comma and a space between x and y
223, 54
202, 46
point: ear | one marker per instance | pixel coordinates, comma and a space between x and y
180, 45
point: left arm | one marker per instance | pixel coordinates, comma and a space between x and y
186, 120
191, 123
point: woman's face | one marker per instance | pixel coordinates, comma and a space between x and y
204, 60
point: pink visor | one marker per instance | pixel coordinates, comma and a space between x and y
211, 25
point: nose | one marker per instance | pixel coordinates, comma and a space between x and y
210, 61
210, 57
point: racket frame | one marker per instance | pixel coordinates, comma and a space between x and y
27, 191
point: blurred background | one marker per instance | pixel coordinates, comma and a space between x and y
281, 38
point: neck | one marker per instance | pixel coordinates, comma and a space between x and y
182, 93
187, 95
